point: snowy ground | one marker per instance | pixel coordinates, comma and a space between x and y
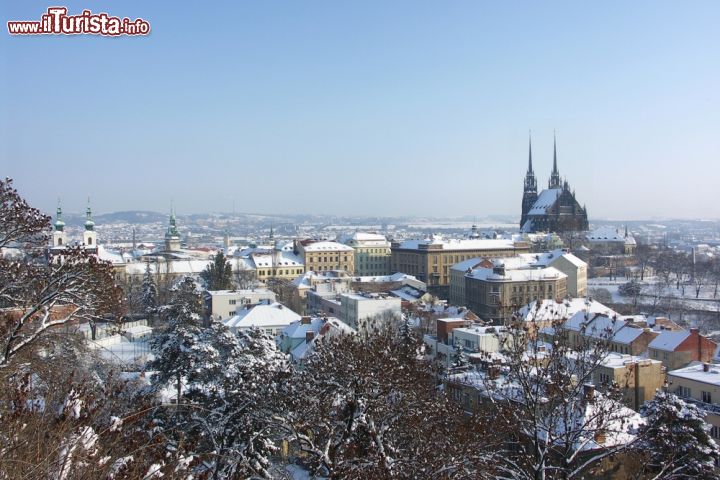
120, 350
705, 301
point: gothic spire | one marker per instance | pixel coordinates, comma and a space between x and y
530, 180
530, 169
555, 175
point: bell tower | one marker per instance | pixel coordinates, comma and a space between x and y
89, 235
59, 239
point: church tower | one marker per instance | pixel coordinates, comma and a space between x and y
59, 239
172, 236
89, 235
555, 175
530, 190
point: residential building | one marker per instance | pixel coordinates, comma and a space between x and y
606, 240
223, 304
543, 313
496, 293
358, 309
372, 253
699, 383
638, 378
478, 339
457, 278
574, 269
622, 336
323, 256
299, 338
677, 349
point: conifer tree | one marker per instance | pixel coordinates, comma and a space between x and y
149, 292
218, 275
175, 348
676, 440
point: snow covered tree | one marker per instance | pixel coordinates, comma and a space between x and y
38, 296
461, 362
218, 275
175, 348
367, 406
675, 440
20, 224
233, 395
149, 292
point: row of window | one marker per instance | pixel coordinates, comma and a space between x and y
336, 258
686, 392
288, 271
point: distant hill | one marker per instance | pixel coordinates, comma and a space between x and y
134, 217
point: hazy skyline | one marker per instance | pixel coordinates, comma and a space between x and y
367, 108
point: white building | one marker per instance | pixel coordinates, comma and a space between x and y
357, 308
223, 304
271, 318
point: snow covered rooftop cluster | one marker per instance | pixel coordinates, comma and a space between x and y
438, 242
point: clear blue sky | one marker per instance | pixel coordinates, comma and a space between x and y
367, 107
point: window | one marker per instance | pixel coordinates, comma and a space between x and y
715, 432
706, 397
89, 240
604, 379
684, 391
232, 302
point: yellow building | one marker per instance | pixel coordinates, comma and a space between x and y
323, 256
638, 378
430, 260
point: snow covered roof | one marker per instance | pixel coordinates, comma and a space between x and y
273, 315
696, 371
470, 263
110, 256
459, 244
172, 267
545, 200
327, 327
327, 247
517, 275
233, 293
609, 234
366, 239
669, 340
548, 310
276, 259
407, 293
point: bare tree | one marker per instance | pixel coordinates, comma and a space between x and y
559, 425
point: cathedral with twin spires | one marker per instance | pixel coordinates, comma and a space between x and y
555, 209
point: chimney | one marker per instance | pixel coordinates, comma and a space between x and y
309, 336
589, 391
695, 336
706, 367
305, 320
